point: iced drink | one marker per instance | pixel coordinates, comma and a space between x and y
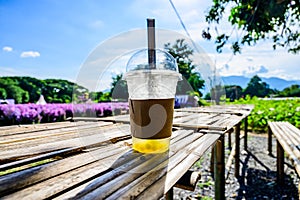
151, 101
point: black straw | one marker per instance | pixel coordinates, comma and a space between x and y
151, 43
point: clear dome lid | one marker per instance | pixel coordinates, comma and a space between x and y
139, 61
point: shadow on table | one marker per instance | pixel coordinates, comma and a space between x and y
129, 176
261, 184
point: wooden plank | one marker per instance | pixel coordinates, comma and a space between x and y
213, 119
294, 137
246, 133
237, 152
226, 109
76, 133
114, 133
198, 116
180, 158
86, 119
84, 129
182, 117
61, 182
229, 121
125, 179
117, 119
199, 121
22, 162
12, 182
169, 195
31, 128
280, 164
36, 139
219, 169
25, 128
211, 110
212, 162
299, 189
178, 114
66, 181
230, 159
224, 120
214, 122
199, 126
188, 181
175, 173
177, 164
50, 132
117, 178
180, 135
286, 147
286, 134
229, 139
195, 120
99, 137
269, 140
295, 131
51, 187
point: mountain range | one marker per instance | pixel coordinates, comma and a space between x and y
273, 82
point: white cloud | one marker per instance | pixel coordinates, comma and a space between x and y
9, 71
263, 62
254, 70
249, 59
33, 54
262, 70
7, 49
96, 24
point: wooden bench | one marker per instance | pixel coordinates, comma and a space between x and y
288, 140
94, 159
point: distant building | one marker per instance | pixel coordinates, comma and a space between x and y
41, 100
7, 101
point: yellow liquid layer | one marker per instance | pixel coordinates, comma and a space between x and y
150, 145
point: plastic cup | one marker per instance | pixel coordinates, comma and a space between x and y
151, 100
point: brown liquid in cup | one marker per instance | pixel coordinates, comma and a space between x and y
160, 126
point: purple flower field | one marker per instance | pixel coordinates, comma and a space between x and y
33, 113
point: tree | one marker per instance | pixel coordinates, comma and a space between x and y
3, 93
16, 93
13, 90
62, 91
292, 91
256, 87
95, 96
119, 90
28, 89
32, 85
277, 20
233, 92
182, 52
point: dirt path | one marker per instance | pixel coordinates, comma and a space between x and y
258, 175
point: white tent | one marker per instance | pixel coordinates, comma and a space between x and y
41, 100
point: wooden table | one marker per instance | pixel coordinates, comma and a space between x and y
94, 160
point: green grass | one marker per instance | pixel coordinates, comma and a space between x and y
198, 164
206, 198
271, 110
205, 184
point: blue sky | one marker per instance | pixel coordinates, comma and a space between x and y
53, 38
